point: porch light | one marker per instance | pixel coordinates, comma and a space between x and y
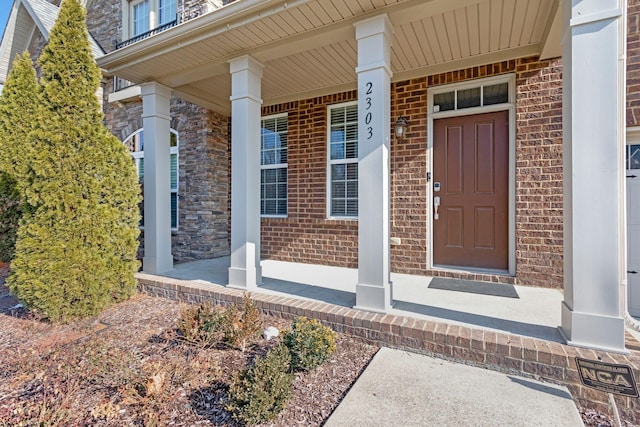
401, 127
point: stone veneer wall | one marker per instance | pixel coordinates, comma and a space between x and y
306, 235
104, 22
203, 180
203, 153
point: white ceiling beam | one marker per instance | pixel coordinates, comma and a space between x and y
204, 99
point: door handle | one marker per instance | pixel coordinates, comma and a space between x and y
436, 205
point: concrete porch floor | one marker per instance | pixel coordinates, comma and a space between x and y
536, 313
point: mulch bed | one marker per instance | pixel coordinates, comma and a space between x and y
128, 367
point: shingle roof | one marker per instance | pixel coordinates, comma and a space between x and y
24, 16
47, 14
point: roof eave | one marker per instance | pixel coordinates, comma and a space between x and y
217, 21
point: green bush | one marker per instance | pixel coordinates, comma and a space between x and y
259, 394
18, 120
200, 325
10, 214
242, 328
310, 343
76, 253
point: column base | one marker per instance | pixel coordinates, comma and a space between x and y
245, 278
378, 299
592, 331
157, 265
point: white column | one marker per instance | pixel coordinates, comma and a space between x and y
593, 150
246, 101
373, 291
157, 178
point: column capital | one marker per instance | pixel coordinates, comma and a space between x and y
379, 24
374, 37
156, 100
246, 63
155, 88
246, 74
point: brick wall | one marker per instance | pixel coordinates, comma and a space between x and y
633, 63
409, 178
307, 236
539, 224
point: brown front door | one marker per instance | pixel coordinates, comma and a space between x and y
471, 169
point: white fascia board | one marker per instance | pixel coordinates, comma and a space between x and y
5, 45
219, 21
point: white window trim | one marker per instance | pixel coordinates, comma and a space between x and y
173, 150
278, 166
340, 161
509, 106
471, 84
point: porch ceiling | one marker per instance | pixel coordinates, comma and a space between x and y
309, 48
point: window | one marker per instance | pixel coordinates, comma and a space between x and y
141, 17
145, 15
476, 96
343, 160
632, 156
135, 144
273, 166
166, 11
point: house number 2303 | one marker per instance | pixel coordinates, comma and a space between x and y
368, 117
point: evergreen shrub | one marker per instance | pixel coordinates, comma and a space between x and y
76, 252
260, 393
10, 214
310, 343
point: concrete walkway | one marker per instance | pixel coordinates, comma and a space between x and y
406, 389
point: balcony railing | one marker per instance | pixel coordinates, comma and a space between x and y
148, 34
183, 15
121, 84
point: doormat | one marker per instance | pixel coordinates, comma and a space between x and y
484, 288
